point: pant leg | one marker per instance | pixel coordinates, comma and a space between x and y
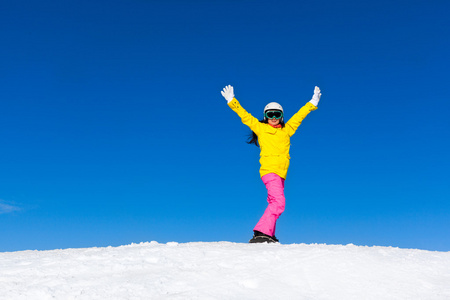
276, 200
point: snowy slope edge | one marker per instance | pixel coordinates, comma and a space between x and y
224, 270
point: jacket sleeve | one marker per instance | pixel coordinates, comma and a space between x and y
246, 118
297, 119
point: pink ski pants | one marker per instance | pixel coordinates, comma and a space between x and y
275, 191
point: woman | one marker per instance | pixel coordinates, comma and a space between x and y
272, 135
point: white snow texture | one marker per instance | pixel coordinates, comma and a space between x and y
225, 270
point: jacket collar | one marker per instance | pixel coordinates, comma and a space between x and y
276, 126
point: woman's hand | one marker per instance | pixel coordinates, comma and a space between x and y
228, 93
316, 97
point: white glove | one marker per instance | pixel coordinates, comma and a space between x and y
316, 97
228, 93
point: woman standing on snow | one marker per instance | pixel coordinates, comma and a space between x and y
273, 136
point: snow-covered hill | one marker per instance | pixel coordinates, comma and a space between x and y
226, 270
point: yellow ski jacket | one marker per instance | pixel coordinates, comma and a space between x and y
274, 142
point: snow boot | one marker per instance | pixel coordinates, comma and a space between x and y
259, 237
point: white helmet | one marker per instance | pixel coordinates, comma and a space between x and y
273, 106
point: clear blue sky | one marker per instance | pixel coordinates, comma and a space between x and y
113, 129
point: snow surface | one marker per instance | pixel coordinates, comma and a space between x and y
225, 270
